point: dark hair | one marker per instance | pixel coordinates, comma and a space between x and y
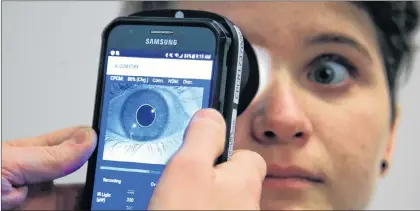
396, 23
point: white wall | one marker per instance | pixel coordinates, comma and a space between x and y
50, 64
50, 58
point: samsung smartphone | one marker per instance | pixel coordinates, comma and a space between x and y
154, 74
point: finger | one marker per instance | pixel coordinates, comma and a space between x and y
34, 164
204, 138
245, 171
48, 196
12, 197
245, 162
203, 142
49, 139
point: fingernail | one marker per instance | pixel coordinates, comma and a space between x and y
208, 114
80, 136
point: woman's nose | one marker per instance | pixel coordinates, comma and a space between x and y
280, 118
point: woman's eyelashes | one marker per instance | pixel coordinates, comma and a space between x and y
146, 123
331, 70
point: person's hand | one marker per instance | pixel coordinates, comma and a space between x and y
41, 160
192, 182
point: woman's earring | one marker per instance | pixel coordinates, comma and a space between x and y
384, 166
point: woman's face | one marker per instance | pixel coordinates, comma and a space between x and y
323, 103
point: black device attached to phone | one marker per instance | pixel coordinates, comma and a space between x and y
157, 68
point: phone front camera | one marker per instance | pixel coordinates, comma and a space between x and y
179, 14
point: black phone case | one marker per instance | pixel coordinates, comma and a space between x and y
226, 82
248, 71
230, 82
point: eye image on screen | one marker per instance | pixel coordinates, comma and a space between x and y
146, 123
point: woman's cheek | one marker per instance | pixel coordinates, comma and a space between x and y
353, 134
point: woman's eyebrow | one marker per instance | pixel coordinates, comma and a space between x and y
335, 38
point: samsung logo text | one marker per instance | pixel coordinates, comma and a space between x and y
150, 41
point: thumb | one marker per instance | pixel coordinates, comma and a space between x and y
34, 164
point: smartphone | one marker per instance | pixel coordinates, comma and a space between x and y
154, 74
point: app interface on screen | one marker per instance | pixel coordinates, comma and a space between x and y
149, 99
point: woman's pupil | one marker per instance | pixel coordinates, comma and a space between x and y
324, 75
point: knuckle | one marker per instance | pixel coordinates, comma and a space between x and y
52, 156
11, 174
12, 169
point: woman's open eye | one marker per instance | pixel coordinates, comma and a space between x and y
146, 123
330, 70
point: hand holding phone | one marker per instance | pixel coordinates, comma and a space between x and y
192, 182
156, 70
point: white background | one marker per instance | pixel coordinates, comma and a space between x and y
50, 59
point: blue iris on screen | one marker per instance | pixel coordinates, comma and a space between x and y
146, 123
145, 114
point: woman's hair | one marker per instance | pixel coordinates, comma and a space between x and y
396, 23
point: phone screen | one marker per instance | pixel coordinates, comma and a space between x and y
153, 85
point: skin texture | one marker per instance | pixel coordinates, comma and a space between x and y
226, 185
346, 128
27, 180
232, 185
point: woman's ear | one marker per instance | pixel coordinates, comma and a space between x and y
390, 145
